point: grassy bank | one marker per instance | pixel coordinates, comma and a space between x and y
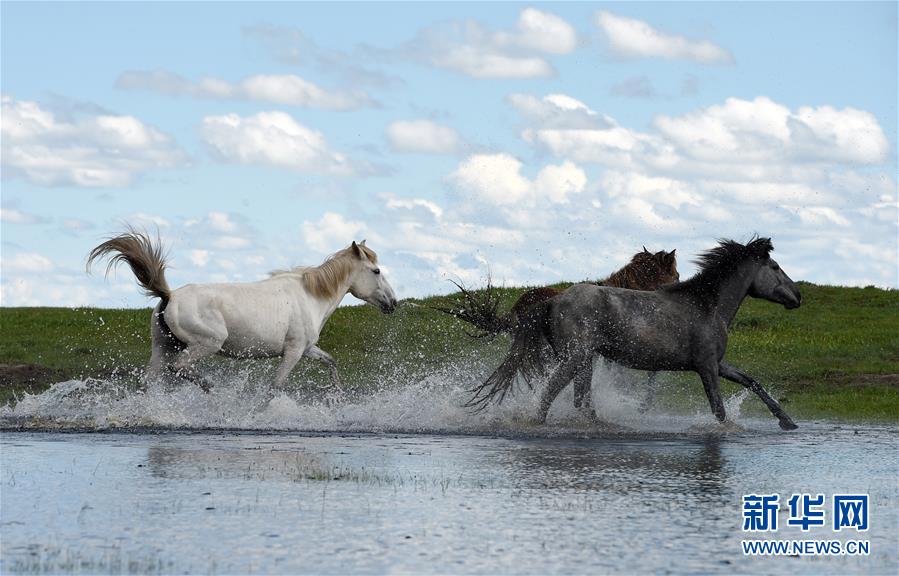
835, 357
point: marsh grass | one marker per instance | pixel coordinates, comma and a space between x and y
837, 356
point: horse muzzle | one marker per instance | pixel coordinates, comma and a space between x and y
388, 306
790, 298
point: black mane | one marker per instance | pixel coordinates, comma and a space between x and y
719, 262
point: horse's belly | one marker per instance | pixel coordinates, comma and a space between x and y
251, 347
644, 355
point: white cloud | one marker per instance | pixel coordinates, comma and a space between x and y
13, 215
558, 182
394, 203
221, 231
332, 232
221, 222
470, 49
27, 262
541, 32
741, 141
820, 216
93, 151
423, 136
557, 111
614, 145
497, 179
634, 38
762, 130
660, 190
286, 89
273, 139
199, 257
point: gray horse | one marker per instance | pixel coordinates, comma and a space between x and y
681, 327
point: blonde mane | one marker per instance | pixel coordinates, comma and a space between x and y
324, 280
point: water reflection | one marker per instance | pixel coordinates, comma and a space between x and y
626, 466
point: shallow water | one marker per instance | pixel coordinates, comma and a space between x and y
404, 480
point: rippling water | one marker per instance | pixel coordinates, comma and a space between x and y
287, 502
403, 480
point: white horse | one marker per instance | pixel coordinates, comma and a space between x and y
282, 315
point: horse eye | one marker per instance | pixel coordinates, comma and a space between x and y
775, 266
377, 270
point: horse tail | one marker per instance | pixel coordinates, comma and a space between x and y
481, 311
146, 259
529, 354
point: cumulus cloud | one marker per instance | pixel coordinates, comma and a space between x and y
739, 167
272, 139
26, 262
740, 140
557, 111
497, 179
423, 136
332, 232
632, 38
470, 49
286, 89
88, 151
218, 231
392, 202
11, 214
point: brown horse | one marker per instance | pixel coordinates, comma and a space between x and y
645, 271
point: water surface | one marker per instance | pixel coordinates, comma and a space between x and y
535, 501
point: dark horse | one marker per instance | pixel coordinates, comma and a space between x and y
645, 271
678, 327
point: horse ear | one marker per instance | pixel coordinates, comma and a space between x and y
645, 250
358, 251
362, 243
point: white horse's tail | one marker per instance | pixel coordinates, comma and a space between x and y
146, 259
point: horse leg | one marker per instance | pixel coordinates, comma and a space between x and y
583, 384
289, 359
183, 364
317, 353
709, 377
560, 378
164, 348
650, 397
735, 375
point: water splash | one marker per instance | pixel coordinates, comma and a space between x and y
401, 401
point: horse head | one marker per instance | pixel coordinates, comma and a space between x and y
772, 283
667, 266
367, 282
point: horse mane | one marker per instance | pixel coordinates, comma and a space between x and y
323, 281
719, 262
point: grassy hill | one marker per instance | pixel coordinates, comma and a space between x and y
837, 356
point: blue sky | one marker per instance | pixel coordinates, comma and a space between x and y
546, 141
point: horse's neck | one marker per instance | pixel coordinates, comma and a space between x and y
731, 293
322, 308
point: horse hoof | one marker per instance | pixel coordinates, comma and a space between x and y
787, 424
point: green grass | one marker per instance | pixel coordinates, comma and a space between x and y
835, 357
